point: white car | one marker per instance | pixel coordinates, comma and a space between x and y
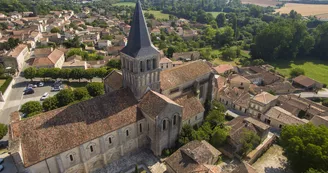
41, 84
44, 96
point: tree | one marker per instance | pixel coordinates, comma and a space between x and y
229, 54
114, 63
102, 72
305, 146
221, 20
55, 30
3, 130
81, 93
249, 140
65, 73
170, 51
30, 73
95, 89
186, 135
296, 72
65, 97
90, 74
77, 73
215, 117
54, 73
50, 103
31, 107
219, 137
325, 102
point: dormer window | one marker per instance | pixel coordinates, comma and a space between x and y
127, 132
110, 140
140, 128
91, 149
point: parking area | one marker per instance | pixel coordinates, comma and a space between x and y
38, 92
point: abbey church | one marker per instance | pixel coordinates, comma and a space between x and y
143, 107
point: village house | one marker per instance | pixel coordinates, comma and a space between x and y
113, 81
235, 98
195, 156
224, 69
103, 44
186, 56
238, 81
165, 63
306, 83
278, 117
239, 125
75, 61
260, 103
48, 58
15, 58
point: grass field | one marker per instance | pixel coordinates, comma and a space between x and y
316, 69
235, 62
215, 13
158, 14
305, 9
132, 4
263, 3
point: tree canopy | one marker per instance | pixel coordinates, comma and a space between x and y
31, 107
306, 146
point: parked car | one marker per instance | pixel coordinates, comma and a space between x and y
28, 91
32, 85
1, 168
44, 96
41, 84
56, 88
23, 115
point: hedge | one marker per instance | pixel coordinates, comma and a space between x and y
5, 85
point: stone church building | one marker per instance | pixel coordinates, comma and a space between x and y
143, 107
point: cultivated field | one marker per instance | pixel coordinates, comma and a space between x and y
305, 9
263, 3
132, 4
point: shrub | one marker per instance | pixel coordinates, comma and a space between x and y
325, 102
31, 107
95, 89
5, 85
296, 72
3, 130
65, 97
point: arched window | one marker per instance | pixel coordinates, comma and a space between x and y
110, 140
174, 119
164, 124
71, 158
127, 132
91, 148
140, 128
141, 66
154, 64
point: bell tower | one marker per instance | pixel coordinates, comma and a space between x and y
139, 58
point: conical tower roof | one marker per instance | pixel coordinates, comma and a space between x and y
139, 43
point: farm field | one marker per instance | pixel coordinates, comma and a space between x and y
263, 3
132, 4
158, 14
305, 9
315, 69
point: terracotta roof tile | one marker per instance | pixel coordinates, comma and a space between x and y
114, 80
153, 103
223, 68
191, 106
75, 125
264, 97
283, 116
305, 81
17, 50
181, 74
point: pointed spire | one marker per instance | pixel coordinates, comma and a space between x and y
139, 43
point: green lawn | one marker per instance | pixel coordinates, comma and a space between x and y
215, 13
74, 85
158, 14
315, 69
132, 4
235, 62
